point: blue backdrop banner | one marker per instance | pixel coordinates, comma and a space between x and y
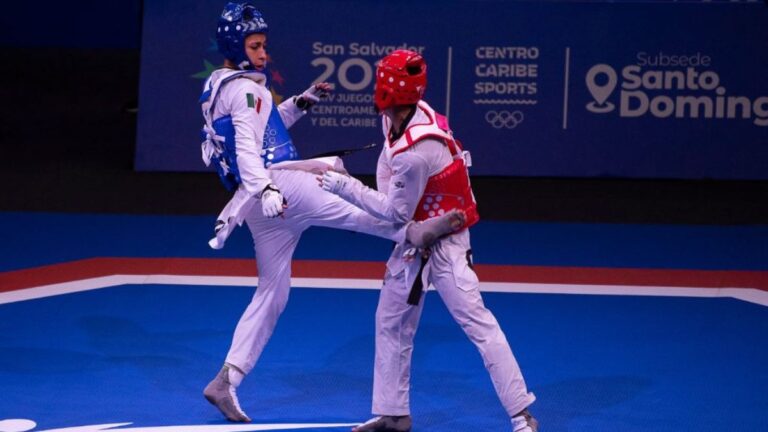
560, 89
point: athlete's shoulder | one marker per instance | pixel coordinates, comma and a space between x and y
241, 92
247, 84
426, 123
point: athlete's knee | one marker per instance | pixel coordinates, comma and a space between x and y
477, 324
386, 320
276, 294
281, 300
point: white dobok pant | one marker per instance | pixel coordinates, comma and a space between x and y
449, 272
275, 241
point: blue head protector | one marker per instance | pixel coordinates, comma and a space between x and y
237, 21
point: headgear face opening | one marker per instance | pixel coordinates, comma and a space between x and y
401, 79
238, 21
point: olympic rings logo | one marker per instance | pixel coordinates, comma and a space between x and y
504, 119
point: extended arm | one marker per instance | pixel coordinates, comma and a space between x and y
410, 171
292, 109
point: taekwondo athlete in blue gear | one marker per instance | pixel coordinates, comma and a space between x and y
246, 138
219, 137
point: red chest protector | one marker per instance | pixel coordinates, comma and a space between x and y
450, 188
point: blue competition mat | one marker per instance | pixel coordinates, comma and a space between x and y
142, 354
136, 357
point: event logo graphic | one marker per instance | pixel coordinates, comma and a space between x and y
351, 68
506, 75
504, 119
601, 92
670, 86
24, 425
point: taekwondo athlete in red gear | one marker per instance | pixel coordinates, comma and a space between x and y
422, 173
246, 139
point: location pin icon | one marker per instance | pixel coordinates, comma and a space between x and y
601, 92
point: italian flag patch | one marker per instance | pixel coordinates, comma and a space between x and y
253, 102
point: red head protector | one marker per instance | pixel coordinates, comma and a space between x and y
401, 79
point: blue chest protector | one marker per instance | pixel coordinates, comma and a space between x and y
219, 137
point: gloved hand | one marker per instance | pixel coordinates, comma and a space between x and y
312, 95
272, 202
334, 182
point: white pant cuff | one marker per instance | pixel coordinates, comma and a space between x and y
391, 411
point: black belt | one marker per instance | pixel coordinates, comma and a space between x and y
415, 295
